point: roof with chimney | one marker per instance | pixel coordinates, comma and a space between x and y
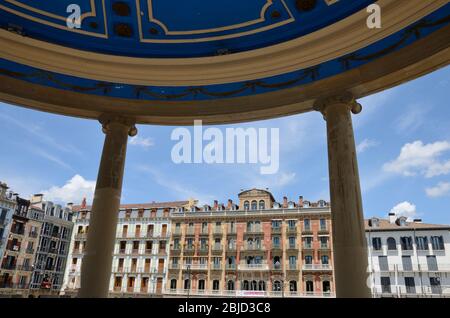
153, 205
378, 224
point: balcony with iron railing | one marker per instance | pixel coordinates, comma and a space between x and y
307, 230
189, 249
253, 267
175, 249
203, 249
276, 246
190, 231
324, 246
316, 267
217, 231
307, 246
177, 232
292, 267
252, 247
414, 267
231, 231
230, 267
291, 229
173, 266
195, 267
204, 232
291, 247
323, 230
217, 249
216, 266
254, 230
276, 230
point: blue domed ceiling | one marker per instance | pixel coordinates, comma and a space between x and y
174, 28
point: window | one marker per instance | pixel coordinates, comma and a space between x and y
324, 242
276, 286
173, 284
292, 224
435, 283
309, 286
246, 205
385, 285
437, 242
432, 263
262, 285
406, 242
201, 284
230, 285
406, 262
293, 286
376, 243
326, 286
187, 284
383, 262
308, 242
254, 205
391, 244
216, 285
292, 262
262, 205
325, 259
276, 224
307, 224
292, 241
308, 259
276, 241
410, 285
422, 243
141, 213
323, 224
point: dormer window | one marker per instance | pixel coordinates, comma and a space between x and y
321, 203
276, 205
193, 209
374, 222
401, 221
291, 205
181, 209
306, 204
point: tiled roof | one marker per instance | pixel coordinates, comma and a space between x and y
385, 225
153, 205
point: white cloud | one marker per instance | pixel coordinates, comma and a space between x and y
366, 144
441, 189
418, 158
405, 209
285, 178
142, 142
73, 191
412, 119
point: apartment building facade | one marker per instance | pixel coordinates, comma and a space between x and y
7, 207
53, 247
140, 254
258, 247
408, 258
18, 259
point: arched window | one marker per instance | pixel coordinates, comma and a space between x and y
246, 205
276, 262
326, 286
293, 286
262, 285
216, 285
254, 285
187, 284
254, 205
230, 285
245, 285
392, 245
262, 205
309, 286
201, 284
173, 284
276, 286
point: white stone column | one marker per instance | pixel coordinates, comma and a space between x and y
97, 259
349, 242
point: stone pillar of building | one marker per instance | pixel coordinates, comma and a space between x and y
349, 242
97, 259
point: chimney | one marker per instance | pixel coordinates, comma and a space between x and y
300, 201
70, 205
417, 220
216, 205
230, 204
392, 218
285, 202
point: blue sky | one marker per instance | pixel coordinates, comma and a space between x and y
403, 138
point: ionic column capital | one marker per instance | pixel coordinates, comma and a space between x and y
107, 119
345, 99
